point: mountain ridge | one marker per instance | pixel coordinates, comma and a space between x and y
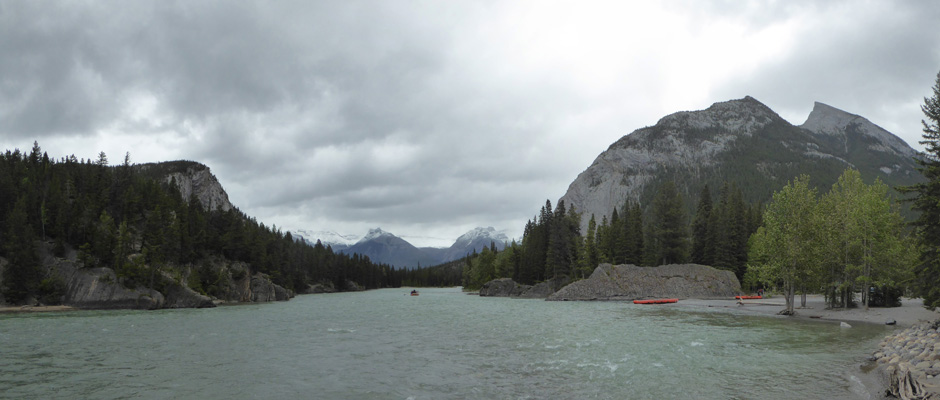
385, 247
741, 141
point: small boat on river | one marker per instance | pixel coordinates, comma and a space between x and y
748, 297
414, 292
655, 301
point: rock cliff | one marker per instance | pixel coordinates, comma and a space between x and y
193, 180
98, 288
630, 282
101, 288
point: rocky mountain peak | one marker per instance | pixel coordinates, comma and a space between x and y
826, 120
739, 141
375, 234
489, 233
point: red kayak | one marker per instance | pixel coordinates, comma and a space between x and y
655, 301
748, 297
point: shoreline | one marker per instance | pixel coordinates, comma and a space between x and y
873, 375
910, 313
35, 309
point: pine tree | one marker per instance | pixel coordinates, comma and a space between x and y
634, 235
702, 240
671, 226
927, 200
23, 274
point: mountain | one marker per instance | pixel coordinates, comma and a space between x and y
384, 247
475, 240
335, 240
743, 142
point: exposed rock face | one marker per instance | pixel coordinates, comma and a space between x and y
193, 180
98, 288
542, 290
200, 182
502, 287
849, 129
179, 296
630, 282
320, 288
353, 287
714, 145
262, 289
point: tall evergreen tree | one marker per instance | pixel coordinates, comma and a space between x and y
702, 239
23, 274
671, 226
927, 200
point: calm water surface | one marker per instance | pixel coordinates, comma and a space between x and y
384, 344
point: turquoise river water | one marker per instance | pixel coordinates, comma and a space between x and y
442, 344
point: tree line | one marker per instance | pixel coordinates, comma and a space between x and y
124, 218
554, 248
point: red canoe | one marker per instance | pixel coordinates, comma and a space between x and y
655, 301
748, 297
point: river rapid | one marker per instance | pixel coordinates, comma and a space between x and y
385, 344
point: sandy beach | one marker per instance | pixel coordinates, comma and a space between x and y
911, 312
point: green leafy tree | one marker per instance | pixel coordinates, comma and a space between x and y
782, 250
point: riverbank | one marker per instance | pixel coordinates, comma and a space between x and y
901, 357
910, 313
31, 309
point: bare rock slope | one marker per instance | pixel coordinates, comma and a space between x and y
629, 282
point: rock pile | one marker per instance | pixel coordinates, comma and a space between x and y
911, 359
630, 282
506, 287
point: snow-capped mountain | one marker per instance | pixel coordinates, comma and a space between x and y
475, 240
385, 247
335, 240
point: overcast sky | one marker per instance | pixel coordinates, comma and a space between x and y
431, 118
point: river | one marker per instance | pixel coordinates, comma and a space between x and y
384, 344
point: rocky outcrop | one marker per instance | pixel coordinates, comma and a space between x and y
193, 179
541, 290
630, 282
320, 288
506, 287
98, 288
353, 286
179, 296
262, 289
203, 185
911, 359
502, 287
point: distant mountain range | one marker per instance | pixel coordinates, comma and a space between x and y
384, 247
743, 142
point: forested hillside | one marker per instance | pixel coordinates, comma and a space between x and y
128, 219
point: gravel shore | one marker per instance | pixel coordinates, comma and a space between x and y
910, 356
